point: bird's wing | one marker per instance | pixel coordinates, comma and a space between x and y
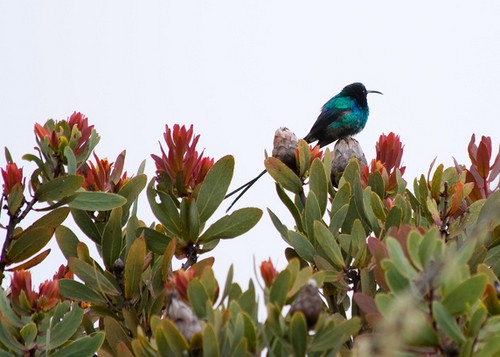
332, 111
326, 118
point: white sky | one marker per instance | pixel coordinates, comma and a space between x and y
239, 70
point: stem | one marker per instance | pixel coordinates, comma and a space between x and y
191, 255
14, 220
444, 216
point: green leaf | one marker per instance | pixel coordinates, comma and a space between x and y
446, 322
298, 334
62, 330
170, 339
291, 206
283, 175
426, 248
318, 184
214, 187
133, 268
280, 287
155, 241
96, 201
329, 244
465, 295
83, 347
210, 342
112, 239
233, 225
71, 159
341, 198
302, 246
28, 333
87, 225
338, 218
229, 282
7, 339
280, 227
53, 219
37, 259
399, 259
332, 337
131, 190
413, 244
304, 157
394, 218
190, 220
133, 226
198, 297
376, 182
312, 214
370, 214
377, 206
492, 259
92, 277
394, 278
75, 290
166, 211
6, 311
115, 334
58, 188
436, 182
15, 199
67, 241
28, 243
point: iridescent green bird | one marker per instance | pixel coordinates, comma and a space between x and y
343, 115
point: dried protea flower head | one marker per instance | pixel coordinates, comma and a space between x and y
309, 303
183, 316
284, 146
344, 150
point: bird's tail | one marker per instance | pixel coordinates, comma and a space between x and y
244, 188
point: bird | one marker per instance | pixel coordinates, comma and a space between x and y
343, 115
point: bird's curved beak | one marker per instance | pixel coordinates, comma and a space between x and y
374, 91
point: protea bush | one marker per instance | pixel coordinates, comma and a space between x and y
376, 266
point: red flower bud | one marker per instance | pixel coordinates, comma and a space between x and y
12, 176
182, 164
268, 272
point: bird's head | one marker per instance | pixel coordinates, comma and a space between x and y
357, 91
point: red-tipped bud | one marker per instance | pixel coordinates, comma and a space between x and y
12, 177
268, 272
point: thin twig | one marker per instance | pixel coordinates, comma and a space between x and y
14, 220
444, 213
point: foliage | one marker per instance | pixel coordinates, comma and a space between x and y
374, 267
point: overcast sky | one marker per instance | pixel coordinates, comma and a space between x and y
238, 70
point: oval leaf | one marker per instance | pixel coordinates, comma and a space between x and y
96, 201
92, 277
75, 290
28, 243
133, 268
58, 188
62, 330
329, 245
83, 347
283, 175
233, 225
112, 239
302, 246
298, 334
214, 187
